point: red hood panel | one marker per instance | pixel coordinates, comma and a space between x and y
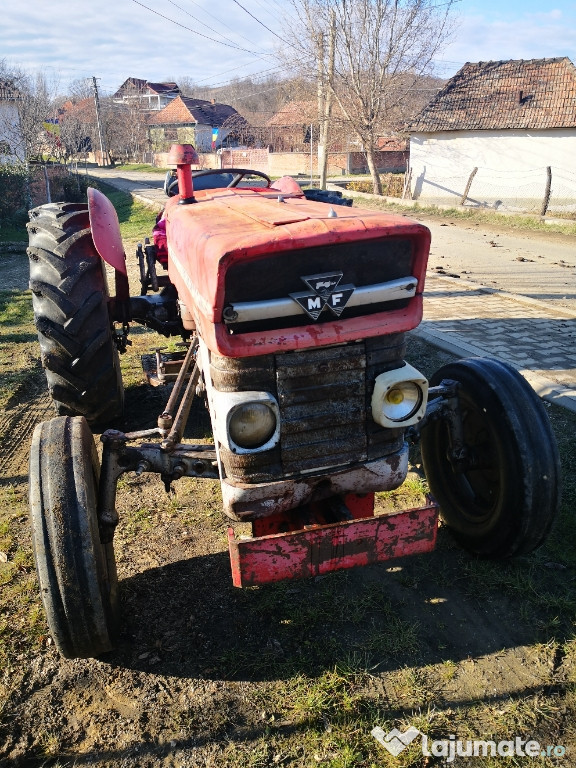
227, 225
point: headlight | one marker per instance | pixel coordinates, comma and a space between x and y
401, 401
252, 424
399, 397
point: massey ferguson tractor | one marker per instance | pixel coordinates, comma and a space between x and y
294, 314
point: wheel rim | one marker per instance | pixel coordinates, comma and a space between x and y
480, 485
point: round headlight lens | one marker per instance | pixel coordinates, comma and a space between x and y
251, 425
401, 401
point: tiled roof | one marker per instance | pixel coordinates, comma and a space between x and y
137, 84
187, 110
295, 113
163, 87
532, 94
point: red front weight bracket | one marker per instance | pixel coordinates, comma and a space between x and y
319, 549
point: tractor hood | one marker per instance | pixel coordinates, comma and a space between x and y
262, 272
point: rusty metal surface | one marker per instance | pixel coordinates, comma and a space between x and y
243, 501
324, 397
335, 509
166, 372
326, 548
321, 394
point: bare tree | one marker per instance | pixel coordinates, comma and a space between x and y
34, 103
382, 49
77, 124
125, 127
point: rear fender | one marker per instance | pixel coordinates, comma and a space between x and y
107, 238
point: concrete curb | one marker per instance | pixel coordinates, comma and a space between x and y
548, 390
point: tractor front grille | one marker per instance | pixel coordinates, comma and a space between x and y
277, 275
324, 396
322, 400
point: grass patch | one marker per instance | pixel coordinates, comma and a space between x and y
14, 231
18, 343
136, 220
140, 167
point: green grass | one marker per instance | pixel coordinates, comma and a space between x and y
140, 167
18, 343
136, 220
14, 231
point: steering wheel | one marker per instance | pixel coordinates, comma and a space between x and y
239, 174
234, 177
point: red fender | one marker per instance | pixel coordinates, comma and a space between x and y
107, 238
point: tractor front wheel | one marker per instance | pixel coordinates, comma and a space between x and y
76, 572
500, 500
70, 301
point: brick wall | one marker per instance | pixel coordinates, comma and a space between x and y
256, 159
295, 163
57, 175
386, 162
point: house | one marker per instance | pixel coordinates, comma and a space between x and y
12, 149
205, 124
504, 129
288, 130
148, 96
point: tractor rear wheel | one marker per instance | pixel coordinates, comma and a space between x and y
69, 296
502, 500
77, 573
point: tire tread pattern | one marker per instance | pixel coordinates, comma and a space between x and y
71, 314
76, 572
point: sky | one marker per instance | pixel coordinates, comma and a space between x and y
162, 40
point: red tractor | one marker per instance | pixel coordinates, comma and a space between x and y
294, 313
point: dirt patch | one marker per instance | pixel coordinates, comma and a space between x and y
290, 674
14, 268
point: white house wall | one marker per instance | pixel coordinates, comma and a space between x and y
511, 168
203, 135
10, 134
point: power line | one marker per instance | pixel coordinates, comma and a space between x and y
243, 77
267, 9
194, 31
260, 22
201, 22
221, 22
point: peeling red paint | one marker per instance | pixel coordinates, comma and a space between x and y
324, 548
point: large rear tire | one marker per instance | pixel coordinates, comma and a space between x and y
77, 573
503, 500
70, 296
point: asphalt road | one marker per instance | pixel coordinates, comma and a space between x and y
541, 266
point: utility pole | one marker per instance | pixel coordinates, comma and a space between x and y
325, 80
98, 121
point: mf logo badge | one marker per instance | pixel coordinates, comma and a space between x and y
325, 291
